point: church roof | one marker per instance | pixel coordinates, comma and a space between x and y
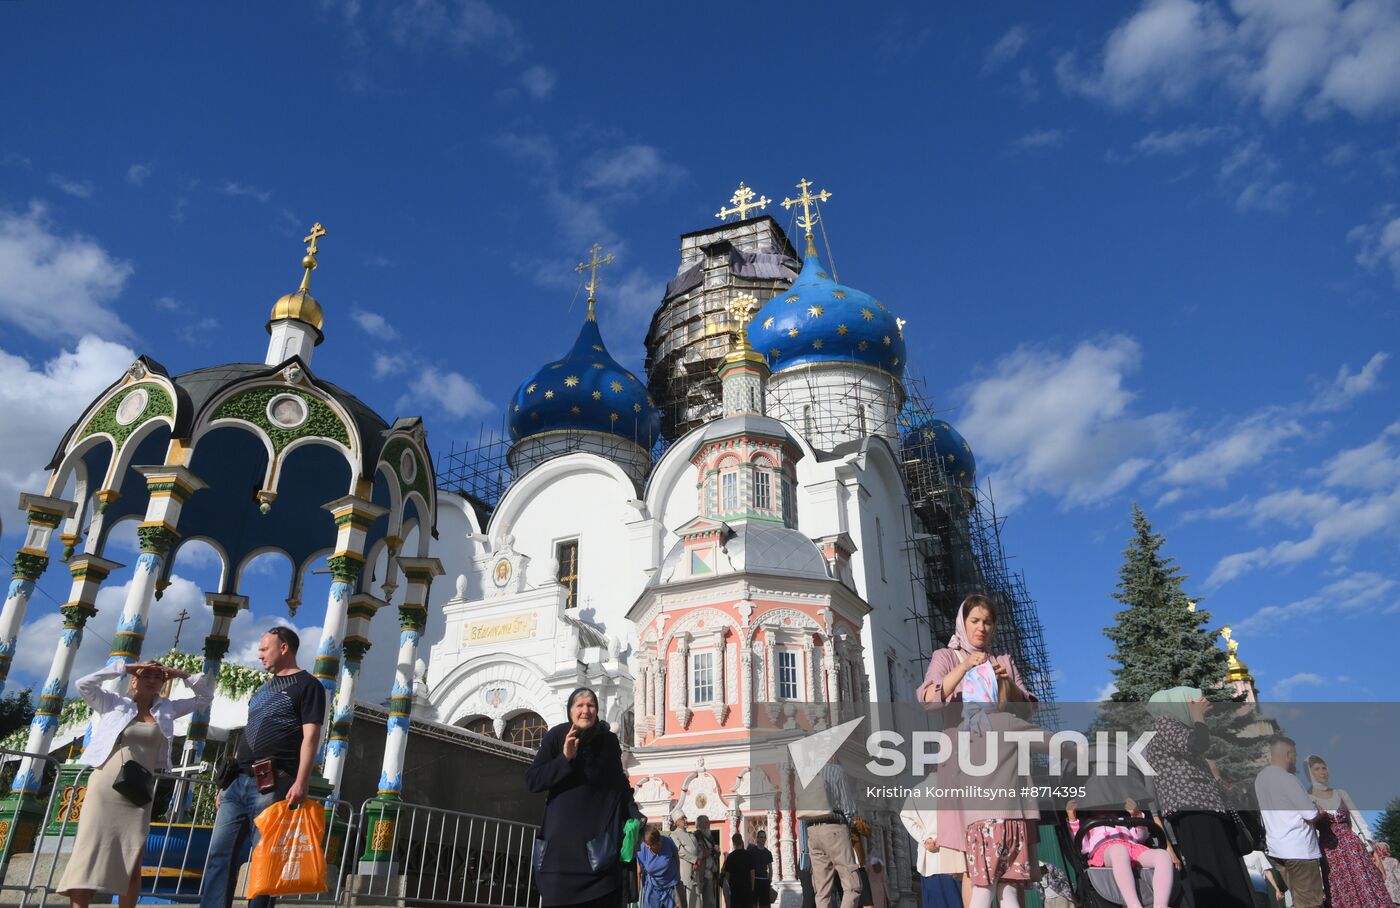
817, 320
585, 389
757, 547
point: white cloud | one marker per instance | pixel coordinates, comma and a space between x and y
1372, 466
449, 393
54, 285
459, 24
236, 190
1247, 444
1180, 141
1040, 138
539, 81
1283, 688
1061, 425
1360, 593
1336, 527
1340, 155
137, 174
1313, 57
1007, 48
1348, 385
1250, 175
1379, 242
385, 364
198, 331
45, 401
629, 168
78, 189
374, 324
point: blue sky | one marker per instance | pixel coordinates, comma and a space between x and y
1147, 252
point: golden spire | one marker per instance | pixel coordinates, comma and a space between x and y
1237, 671
592, 267
309, 262
806, 221
741, 203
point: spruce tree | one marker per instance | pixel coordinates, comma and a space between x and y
1161, 640
1388, 826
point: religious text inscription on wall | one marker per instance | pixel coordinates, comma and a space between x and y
499, 630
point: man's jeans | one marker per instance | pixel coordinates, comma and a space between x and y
233, 826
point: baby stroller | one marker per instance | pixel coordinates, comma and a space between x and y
1104, 797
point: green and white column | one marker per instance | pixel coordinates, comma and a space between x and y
360, 612
413, 617
226, 607
88, 573
353, 519
44, 515
169, 487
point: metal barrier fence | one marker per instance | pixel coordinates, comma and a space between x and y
418, 855
37, 831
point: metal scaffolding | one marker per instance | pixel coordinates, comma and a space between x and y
956, 548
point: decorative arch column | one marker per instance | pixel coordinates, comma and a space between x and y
44, 515
88, 573
413, 617
353, 518
169, 487
359, 613
226, 607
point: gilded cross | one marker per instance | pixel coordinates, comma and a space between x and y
309, 261
806, 199
899, 323
592, 266
742, 205
317, 231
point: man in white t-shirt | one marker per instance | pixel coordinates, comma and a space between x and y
1290, 824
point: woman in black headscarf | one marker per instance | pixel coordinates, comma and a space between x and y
580, 764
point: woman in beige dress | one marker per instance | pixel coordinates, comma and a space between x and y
138, 726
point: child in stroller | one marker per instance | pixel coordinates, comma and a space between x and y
1108, 846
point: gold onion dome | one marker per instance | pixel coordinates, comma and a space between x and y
300, 304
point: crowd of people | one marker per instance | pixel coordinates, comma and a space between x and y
1312, 850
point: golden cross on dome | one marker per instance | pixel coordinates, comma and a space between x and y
309, 261
1230, 641
741, 203
806, 221
592, 266
899, 323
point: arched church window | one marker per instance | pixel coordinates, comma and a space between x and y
860, 419
729, 491
702, 677
526, 729
481, 725
629, 728
787, 674
566, 554
762, 490
807, 420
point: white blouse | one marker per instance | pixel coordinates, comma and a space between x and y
1338, 798
114, 712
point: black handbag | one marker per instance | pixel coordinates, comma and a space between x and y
135, 782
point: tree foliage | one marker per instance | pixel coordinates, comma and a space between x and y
1162, 639
1388, 826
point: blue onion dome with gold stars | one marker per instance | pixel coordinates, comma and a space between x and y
935, 438
585, 389
817, 320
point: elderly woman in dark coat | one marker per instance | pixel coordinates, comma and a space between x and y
580, 764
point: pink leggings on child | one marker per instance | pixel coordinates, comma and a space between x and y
1115, 857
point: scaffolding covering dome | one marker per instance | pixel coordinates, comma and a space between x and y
936, 438
586, 389
817, 320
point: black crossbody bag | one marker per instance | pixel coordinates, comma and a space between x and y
135, 782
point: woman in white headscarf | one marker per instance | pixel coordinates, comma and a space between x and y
1189, 797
